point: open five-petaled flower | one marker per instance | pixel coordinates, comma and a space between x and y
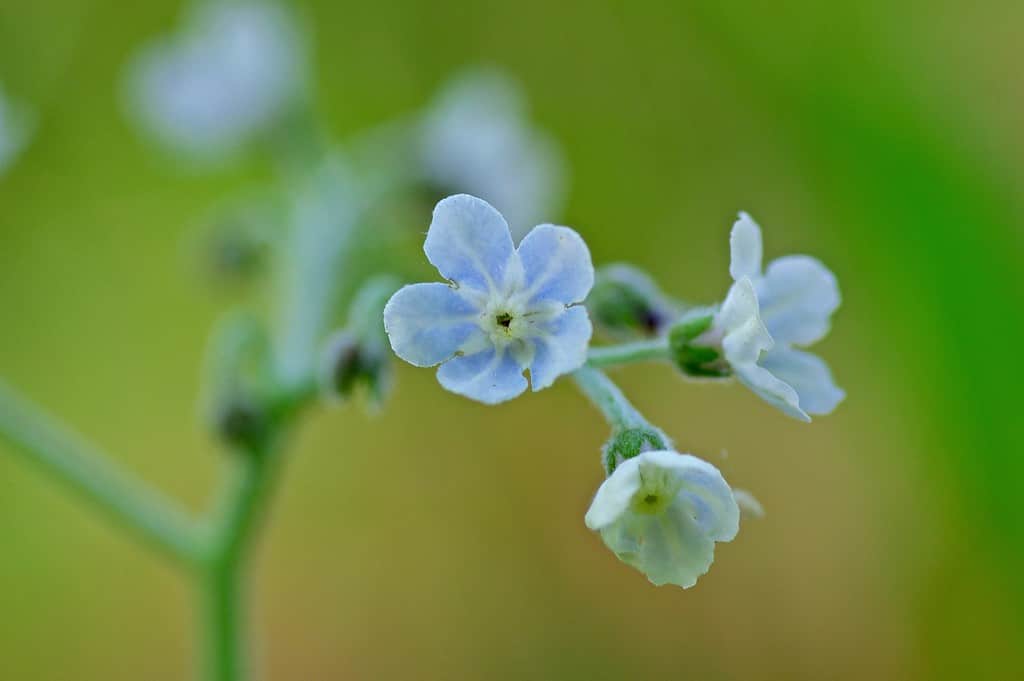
662, 513
504, 311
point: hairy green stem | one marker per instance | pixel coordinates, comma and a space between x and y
231, 534
79, 466
607, 397
628, 353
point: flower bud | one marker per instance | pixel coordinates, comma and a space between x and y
240, 422
348, 362
626, 302
630, 442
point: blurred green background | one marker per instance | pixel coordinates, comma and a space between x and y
443, 539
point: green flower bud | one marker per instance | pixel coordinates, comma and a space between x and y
630, 442
348, 362
240, 422
626, 302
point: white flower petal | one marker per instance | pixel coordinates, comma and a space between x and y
744, 334
745, 248
469, 243
669, 548
429, 323
808, 375
705, 490
556, 265
770, 389
614, 496
489, 376
798, 295
561, 347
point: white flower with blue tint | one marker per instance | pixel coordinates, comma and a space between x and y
662, 512
765, 314
505, 310
15, 129
476, 139
753, 333
233, 71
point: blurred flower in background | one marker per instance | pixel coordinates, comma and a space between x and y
230, 73
16, 122
476, 139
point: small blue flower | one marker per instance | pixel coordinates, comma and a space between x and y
505, 310
766, 314
476, 138
227, 75
662, 513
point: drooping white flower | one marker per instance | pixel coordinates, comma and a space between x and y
228, 74
662, 512
476, 139
15, 129
505, 310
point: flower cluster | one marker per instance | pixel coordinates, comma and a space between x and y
505, 311
232, 71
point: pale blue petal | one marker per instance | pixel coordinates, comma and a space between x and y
745, 248
614, 496
808, 375
429, 323
469, 243
561, 348
798, 295
669, 548
744, 334
704, 490
775, 392
490, 376
556, 265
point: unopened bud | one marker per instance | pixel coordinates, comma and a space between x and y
626, 302
240, 422
348, 363
630, 442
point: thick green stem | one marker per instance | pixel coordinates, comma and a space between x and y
80, 467
627, 353
232, 532
607, 397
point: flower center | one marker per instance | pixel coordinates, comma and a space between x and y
657, 490
504, 319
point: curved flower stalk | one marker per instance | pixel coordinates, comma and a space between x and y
765, 315
662, 512
16, 124
505, 310
231, 72
476, 139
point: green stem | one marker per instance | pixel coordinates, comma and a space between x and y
628, 353
607, 397
232, 532
79, 465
